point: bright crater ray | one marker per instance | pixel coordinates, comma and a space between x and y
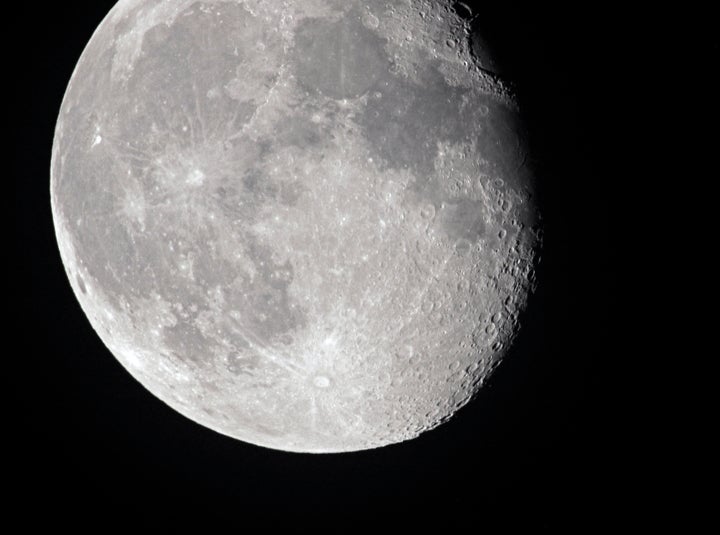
306, 224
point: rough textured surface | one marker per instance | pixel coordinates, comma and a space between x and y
304, 224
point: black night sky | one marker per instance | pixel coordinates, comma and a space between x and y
542, 440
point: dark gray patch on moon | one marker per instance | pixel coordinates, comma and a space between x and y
242, 363
258, 186
463, 219
80, 283
264, 302
404, 125
186, 341
340, 59
298, 131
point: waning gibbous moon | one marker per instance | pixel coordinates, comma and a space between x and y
305, 224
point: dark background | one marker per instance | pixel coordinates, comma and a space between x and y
544, 442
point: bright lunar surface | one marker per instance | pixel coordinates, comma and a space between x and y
306, 224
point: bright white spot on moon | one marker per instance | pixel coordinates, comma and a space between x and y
133, 359
321, 381
287, 222
196, 177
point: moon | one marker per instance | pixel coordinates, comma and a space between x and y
309, 225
